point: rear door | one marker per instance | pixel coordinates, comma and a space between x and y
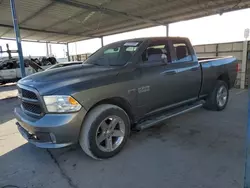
183, 74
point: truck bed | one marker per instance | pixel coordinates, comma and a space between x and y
221, 65
205, 59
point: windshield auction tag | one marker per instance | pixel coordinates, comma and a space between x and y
131, 44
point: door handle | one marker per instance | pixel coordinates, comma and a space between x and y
172, 72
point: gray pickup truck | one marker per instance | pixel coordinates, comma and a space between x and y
131, 84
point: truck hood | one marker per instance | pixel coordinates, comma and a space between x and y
50, 81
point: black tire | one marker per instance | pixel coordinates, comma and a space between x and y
212, 102
90, 127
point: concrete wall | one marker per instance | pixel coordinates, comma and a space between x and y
226, 49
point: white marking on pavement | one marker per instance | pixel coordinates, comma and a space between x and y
240, 92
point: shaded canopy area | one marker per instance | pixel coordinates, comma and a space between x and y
66, 21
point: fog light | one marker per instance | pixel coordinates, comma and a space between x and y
53, 138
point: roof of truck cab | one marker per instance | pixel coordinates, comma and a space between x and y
150, 38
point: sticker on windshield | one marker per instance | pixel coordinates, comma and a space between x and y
131, 44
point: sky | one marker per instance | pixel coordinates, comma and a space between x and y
228, 27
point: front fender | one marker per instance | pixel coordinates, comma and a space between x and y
90, 97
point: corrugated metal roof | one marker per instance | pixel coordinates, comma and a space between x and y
74, 20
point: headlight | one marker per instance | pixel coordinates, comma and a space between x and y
61, 103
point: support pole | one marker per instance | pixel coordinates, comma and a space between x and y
76, 48
102, 41
167, 30
50, 49
18, 38
217, 50
68, 51
243, 66
8, 51
47, 49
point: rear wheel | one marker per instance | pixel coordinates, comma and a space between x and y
218, 98
104, 131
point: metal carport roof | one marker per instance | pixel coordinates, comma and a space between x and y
70, 20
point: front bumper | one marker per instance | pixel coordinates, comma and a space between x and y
51, 130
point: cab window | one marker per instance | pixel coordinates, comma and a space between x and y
182, 52
156, 52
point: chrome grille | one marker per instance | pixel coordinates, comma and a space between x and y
30, 102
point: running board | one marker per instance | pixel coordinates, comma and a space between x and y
181, 110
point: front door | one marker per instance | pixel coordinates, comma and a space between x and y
151, 91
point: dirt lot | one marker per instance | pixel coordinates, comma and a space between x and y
200, 149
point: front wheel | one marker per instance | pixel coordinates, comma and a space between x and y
104, 131
218, 98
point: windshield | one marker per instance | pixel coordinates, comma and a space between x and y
115, 54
